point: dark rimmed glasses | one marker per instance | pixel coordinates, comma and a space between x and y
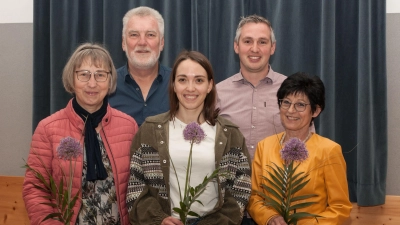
99, 76
299, 106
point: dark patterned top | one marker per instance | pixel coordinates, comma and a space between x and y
99, 199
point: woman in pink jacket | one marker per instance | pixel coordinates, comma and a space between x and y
102, 171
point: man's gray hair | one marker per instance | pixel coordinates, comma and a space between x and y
143, 11
253, 19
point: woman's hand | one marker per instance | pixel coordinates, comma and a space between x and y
277, 220
171, 221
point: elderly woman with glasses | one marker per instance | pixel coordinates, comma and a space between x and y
105, 134
301, 98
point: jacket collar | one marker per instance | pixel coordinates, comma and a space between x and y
225, 123
160, 118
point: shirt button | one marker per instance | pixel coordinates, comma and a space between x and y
161, 142
255, 90
252, 146
137, 89
145, 104
159, 126
253, 127
254, 107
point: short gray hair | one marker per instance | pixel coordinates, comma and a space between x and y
253, 19
98, 56
143, 11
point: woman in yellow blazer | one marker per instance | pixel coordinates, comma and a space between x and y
301, 98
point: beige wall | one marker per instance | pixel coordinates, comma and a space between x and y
16, 48
16, 51
393, 100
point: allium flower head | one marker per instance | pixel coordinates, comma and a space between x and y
294, 150
69, 148
193, 133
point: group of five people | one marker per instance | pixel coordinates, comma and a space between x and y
125, 174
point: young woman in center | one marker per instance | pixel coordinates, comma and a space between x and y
153, 187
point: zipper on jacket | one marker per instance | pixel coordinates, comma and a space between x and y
116, 180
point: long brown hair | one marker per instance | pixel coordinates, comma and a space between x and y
209, 111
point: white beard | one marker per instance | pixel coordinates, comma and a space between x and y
143, 63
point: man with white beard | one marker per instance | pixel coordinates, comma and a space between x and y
142, 83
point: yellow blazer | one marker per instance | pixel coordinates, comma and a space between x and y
327, 179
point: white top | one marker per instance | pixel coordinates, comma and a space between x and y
203, 156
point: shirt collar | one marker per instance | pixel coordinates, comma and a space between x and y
269, 78
160, 77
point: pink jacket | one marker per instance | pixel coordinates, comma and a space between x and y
117, 134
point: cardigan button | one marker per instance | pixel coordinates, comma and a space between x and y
220, 142
225, 129
164, 161
159, 126
161, 142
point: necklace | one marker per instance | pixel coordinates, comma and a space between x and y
304, 141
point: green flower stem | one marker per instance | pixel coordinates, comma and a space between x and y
69, 193
188, 170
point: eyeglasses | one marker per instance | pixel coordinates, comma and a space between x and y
85, 75
299, 106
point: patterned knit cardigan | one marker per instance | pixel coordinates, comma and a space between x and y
148, 187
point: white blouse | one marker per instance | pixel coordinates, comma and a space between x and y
203, 155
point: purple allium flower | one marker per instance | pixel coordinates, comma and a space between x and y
69, 148
294, 150
193, 133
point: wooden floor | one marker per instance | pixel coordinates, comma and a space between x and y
12, 208
387, 214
